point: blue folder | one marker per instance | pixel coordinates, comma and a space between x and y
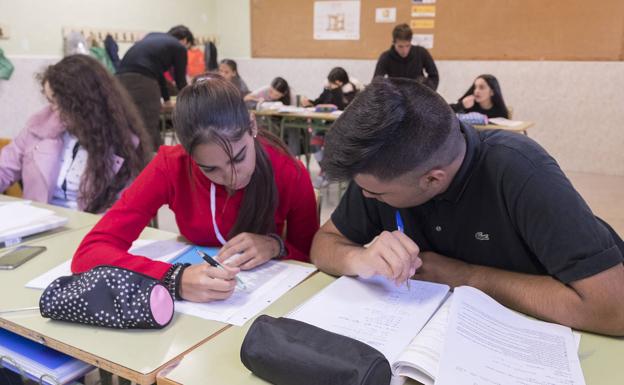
191, 256
27, 353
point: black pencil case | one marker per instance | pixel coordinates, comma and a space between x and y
289, 352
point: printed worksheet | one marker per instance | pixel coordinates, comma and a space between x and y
263, 285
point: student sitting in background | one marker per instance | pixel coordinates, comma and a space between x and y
339, 90
277, 91
229, 70
228, 184
85, 146
484, 97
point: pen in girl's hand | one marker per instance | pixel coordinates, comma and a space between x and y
212, 262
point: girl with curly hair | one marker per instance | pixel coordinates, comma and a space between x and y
85, 146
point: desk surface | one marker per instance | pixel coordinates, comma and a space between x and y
219, 359
522, 128
298, 115
134, 354
76, 219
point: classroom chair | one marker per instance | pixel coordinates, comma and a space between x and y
14, 190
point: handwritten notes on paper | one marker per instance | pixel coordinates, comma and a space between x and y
374, 311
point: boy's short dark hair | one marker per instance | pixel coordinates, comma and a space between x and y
393, 127
182, 32
402, 32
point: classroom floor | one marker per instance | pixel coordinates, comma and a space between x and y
603, 193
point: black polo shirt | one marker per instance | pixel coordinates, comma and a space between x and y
510, 207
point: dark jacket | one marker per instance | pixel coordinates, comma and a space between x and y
155, 54
340, 97
418, 65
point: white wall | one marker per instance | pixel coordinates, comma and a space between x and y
35, 25
577, 106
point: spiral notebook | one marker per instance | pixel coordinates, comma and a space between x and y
39, 362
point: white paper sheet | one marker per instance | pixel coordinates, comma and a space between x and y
264, 285
374, 311
423, 40
424, 351
337, 20
385, 15
157, 250
487, 343
19, 214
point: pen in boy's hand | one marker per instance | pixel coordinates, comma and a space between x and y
212, 262
400, 227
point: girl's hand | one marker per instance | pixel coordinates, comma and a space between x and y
247, 250
468, 101
204, 283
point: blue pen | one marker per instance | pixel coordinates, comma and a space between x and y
399, 221
216, 264
401, 228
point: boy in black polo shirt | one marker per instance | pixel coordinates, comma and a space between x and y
488, 209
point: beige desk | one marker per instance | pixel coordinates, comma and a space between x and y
218, 360
299, 115
134, 354
523, 128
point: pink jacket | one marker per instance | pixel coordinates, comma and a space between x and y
34, 157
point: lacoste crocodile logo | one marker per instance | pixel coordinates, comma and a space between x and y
480, 236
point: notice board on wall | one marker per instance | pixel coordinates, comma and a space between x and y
457, 29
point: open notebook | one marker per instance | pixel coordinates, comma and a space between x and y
39, 362
20, 219
432, 336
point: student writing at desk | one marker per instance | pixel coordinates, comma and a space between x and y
228, 185
277, 91
488, 209
85, 146
485, 97
339, 91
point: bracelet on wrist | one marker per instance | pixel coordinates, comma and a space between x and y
171, 280
282, 247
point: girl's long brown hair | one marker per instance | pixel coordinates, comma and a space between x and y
99, 112
211, 110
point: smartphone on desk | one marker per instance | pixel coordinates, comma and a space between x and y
19, 255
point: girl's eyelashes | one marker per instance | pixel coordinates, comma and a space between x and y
239, 159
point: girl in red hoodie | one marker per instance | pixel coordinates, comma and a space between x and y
228, 184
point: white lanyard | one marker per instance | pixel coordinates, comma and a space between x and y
213, 209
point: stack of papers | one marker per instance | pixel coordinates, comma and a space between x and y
20, 219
